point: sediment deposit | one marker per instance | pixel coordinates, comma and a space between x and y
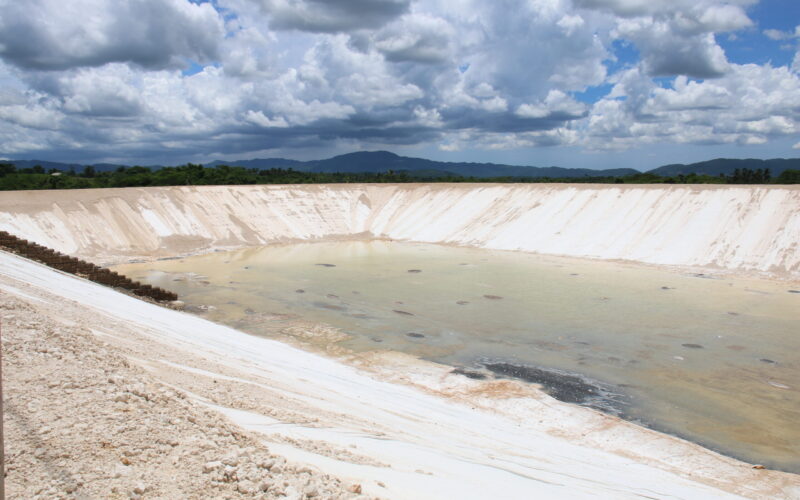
743, 228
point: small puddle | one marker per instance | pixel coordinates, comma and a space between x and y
700, 356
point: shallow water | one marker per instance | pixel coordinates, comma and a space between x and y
714, 360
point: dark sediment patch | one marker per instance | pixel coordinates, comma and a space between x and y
299, 290
462, 302
768, 361
692, 346
492, 297
325, 265
667, 288
469, 374
414, 271
169, 258
567, 387
733, 313
331, 307
376, 339
415, 335
404, 313
794, 291
355, 292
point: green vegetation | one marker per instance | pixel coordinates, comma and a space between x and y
198, 175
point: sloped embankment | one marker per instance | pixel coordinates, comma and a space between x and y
742, 228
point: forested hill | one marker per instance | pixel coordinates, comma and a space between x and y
725, 166
384, 161
372, 162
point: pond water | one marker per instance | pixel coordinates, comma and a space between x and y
712, 359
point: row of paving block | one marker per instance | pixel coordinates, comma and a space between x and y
73, 265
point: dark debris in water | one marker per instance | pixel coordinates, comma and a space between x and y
415, 270
299, 290
331, 307
462, 302
705, 276
361, 316
492, 297
768, 361
325, 265
567, 387
794, 291
415, 335
469, 374
404, 313
692, 346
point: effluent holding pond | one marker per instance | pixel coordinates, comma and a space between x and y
713, 359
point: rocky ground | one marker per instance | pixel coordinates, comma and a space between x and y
82, 421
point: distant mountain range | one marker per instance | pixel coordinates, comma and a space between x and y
382, 161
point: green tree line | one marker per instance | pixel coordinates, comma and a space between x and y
191, 174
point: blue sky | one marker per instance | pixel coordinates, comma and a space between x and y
575, 83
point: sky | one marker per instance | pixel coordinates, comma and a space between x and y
573, 83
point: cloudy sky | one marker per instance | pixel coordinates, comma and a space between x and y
595, 83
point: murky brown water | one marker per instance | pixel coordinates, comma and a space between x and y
714, 360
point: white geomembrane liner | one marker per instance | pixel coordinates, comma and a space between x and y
437, 448
742, 228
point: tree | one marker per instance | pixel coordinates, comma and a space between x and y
7, 168
789, 177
